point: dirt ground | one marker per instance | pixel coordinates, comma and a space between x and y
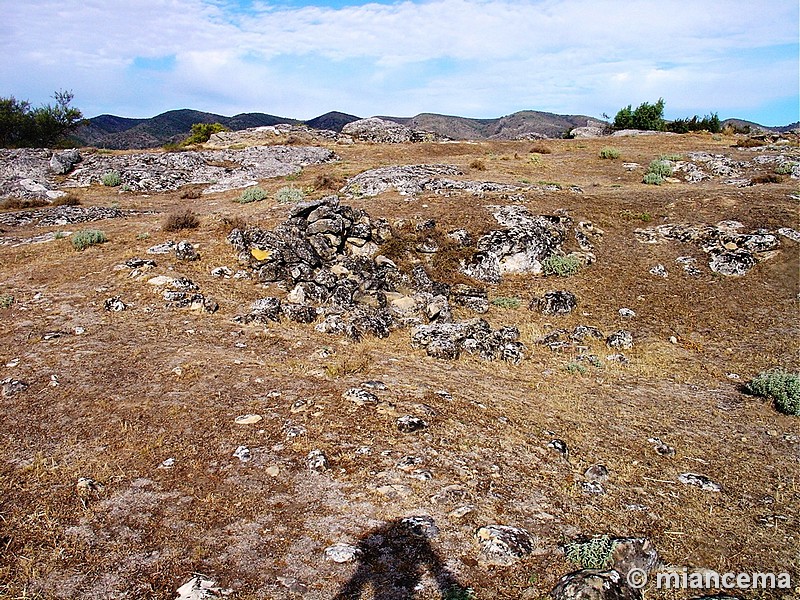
137, 387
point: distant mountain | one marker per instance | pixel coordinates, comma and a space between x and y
512, 126
335, 121
119, 133
751, 127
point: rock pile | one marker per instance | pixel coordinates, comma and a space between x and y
326, 256
270, 134
731, 252
61, 215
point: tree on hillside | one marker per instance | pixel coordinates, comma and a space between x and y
202, 132
647, 116
43, 127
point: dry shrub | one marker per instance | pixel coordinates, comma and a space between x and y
540, 149
68, 200
768, 178
477, 165
349, 364
191, 194
750, 143
228, 224
327, 182
22, 203
178, 220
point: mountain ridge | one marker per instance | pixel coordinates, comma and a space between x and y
123, 133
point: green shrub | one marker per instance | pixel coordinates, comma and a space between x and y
670, 157
457, 592
575, 368
6, 300
660, 167
610, 153
785, 168
111, 179
252, 194
652, 179
289, 195
88, 237
630, 215
707, 123
50, 125
647, 116
507, 302
202, 132
563, 266
595, 553
783, 387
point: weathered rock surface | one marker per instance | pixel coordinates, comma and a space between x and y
475, 336
504, 545
593, 584
557, 302
60, 215
374, 129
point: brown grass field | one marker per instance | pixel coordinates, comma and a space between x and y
150, 383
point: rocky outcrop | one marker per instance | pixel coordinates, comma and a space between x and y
60, 215
381, 131
275, 134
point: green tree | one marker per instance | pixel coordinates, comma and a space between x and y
46, 126
202, 132
647, 116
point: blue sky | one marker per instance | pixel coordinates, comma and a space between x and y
474, 58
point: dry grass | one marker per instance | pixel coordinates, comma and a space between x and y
120, 407
180, 220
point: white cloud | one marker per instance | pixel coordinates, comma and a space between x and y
498, 55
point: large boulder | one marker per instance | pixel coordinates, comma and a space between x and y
378, 130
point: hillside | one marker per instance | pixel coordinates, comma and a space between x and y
459, 371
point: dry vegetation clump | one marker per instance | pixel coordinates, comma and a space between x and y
23, 203
540, 148
180, 220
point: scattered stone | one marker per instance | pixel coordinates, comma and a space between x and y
186, 251
374, 385
617, 358
63, 162
167, 463
317, 461
701, 481
200, 587
114, 304
222, 272
662, 448
503, 545
597, 473
243, 454
262, 311
249, 419
86, 488
12, 387
790, 233
593, 584
163, 248
360, 396
421, 526
626, 313
410, 424
559, 446
448, 340
735, 263
591, 487
555, 303
659, 271
620, 339
342, 553
160, 280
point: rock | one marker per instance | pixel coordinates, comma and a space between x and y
597, 473
735, 263
12, 387
592, 584
263, 310
406, 179
621, 339
701, 481
63, 162
114, 304
242, 453
473, 298
634, 554
299, 313
201, 587
503, 545
421, 526
185, 251
317, 461
659, 271
342, 553
360, 396
164, 248
591, 487
249, 419
410, 424
448, 340
626, 313
559, 446
587, 132
662, 448
222, 272
378, 131
555, 303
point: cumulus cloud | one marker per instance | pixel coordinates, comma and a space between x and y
473, 57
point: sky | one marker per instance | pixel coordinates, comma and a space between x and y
472, 58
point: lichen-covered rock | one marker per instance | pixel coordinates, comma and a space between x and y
299, 313
184, 250
63, 162
592, 584
378, 130
262, 310
504, 545
406, 179
620, 339
317, 461
557, 302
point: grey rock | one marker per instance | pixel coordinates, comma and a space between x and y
701, 481
299, 313
735, 263
360, 396
621, 339
243, 454
410, 424
317, 461
592, 584
421, 526
504, 545
556, 302
406, 179
163, 248
114, 304
263, 310
12, 387
342, 553
63, 162
598, 473
659, 271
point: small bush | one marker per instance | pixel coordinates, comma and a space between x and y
785, 168
68, 200
575, 368
660, 167
540, 149
202, 132
6, 300
629, 215
750, 143
111, 179
783, 387
595, 553
563, 266
88, 237
609, 153
252, 194
327, 182
289, 195
670, 157
21, 203
652, 179
191, 194
507, 302
477, 165
183, 219
768, 178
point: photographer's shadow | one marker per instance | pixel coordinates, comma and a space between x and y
394, 558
